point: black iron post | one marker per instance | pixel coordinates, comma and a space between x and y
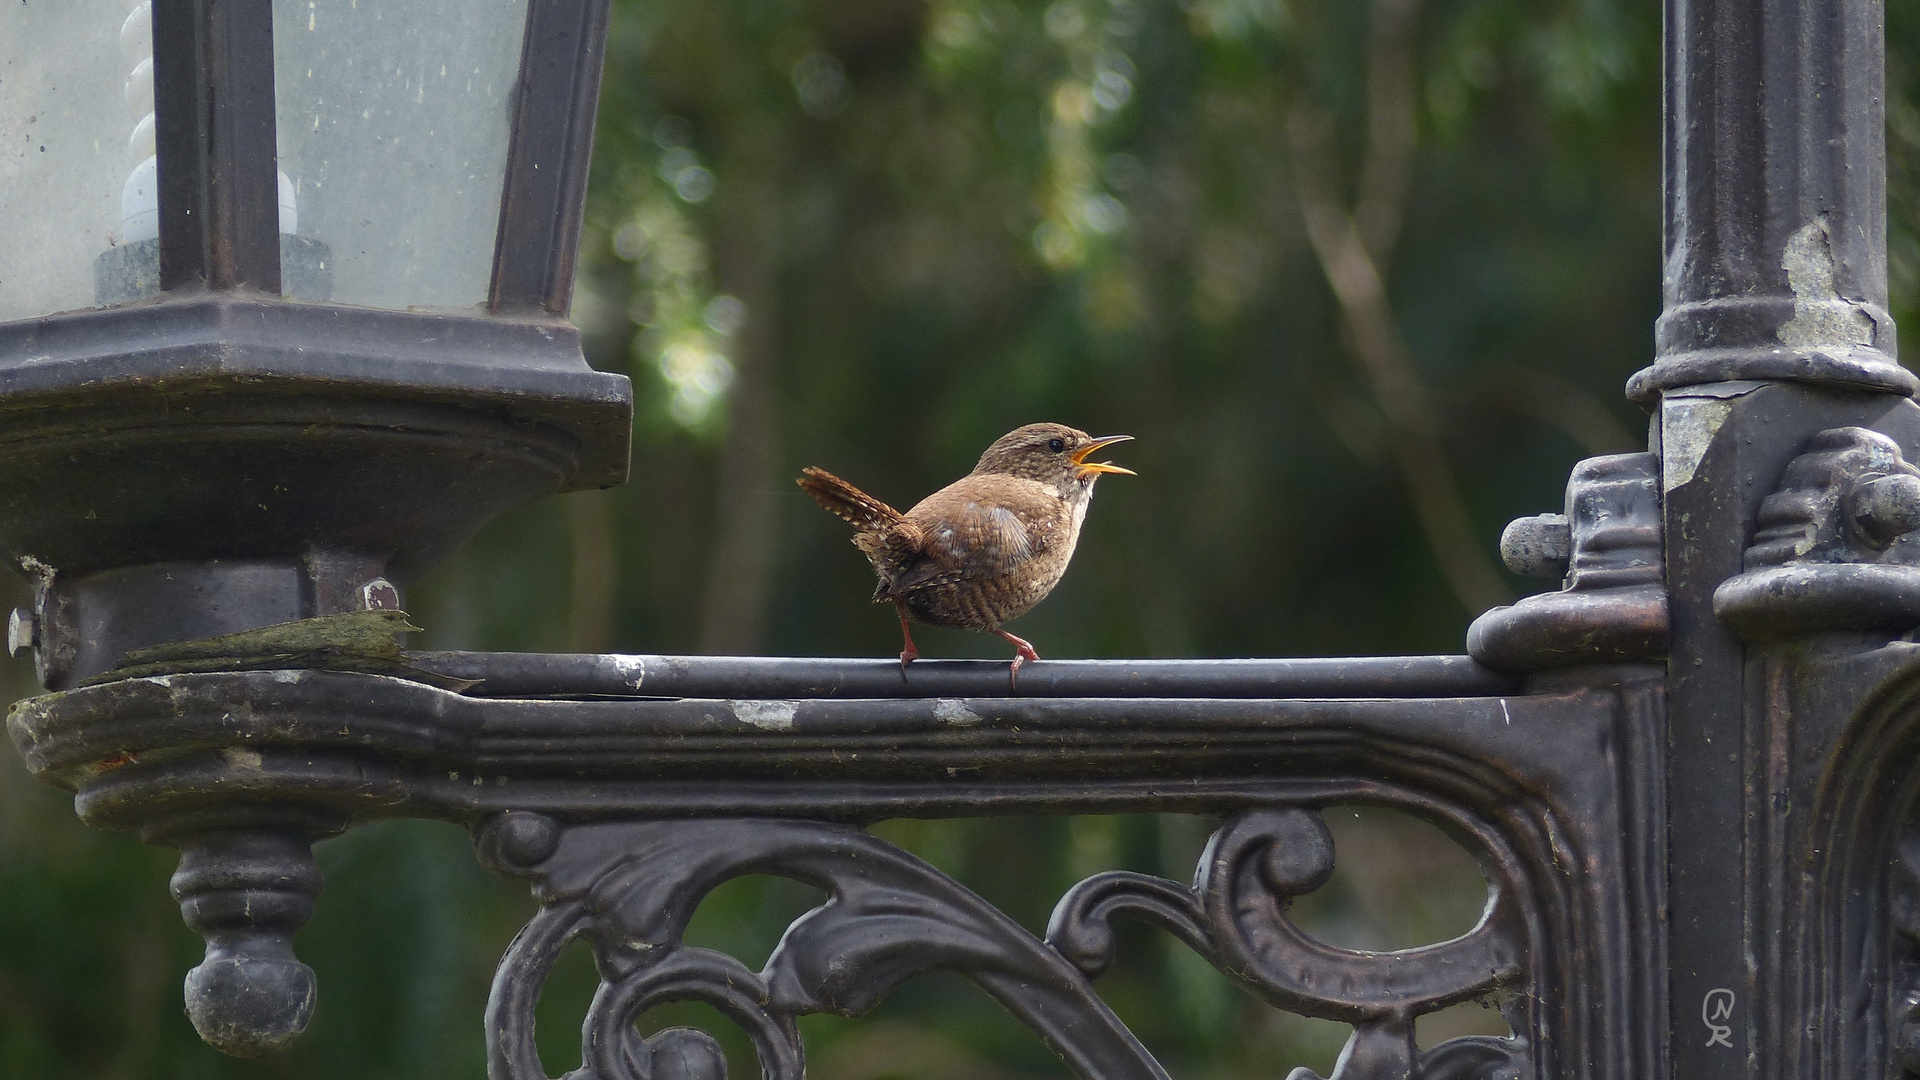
1775, 329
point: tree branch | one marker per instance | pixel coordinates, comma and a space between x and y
748, 484
1386, 173
1380, 353
595, 574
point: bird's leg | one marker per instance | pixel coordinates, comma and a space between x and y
908, 654
1022, 651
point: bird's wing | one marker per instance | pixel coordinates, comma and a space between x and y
894, 546
966, 538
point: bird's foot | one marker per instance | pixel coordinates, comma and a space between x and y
1022, 653
909, 654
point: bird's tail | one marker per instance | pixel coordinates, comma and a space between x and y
849, 503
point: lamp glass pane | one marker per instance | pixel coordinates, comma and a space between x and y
79, 224
394, 118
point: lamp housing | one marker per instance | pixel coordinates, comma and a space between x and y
283, 315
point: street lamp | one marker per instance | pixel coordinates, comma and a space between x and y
282, 305
282, 322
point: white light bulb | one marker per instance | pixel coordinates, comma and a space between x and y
136, 34
289, 210
140, 143
140, 204
140, 195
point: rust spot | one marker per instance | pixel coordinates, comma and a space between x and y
124, 757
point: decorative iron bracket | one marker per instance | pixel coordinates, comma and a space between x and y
1834, 549
626, 810
1612, 605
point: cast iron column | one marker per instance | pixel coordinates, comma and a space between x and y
1776, 224
1775, 327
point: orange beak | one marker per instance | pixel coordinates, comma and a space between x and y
1080, 456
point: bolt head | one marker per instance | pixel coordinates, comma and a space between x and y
380, 595
1540, 546
1885, 508
23, 631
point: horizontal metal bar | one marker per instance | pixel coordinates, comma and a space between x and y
563, 675
357, 747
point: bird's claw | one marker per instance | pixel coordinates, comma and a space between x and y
1022, 653
912, 652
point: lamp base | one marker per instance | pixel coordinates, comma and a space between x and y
182, 470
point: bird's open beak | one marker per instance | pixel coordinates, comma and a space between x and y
1080, 456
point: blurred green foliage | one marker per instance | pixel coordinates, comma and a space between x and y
872, 235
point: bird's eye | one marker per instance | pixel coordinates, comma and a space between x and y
1056, 445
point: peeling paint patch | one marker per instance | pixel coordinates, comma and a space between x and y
632, 669
953, 711
38, 570
244, 760
1687, 428
1820, 316
768, 715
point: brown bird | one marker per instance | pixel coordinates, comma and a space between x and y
985, 548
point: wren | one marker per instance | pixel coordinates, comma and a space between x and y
986, 548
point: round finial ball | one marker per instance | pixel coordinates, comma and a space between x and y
249, 1006
1540, 546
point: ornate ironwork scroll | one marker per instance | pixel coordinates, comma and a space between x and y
1235, 916
629, 889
